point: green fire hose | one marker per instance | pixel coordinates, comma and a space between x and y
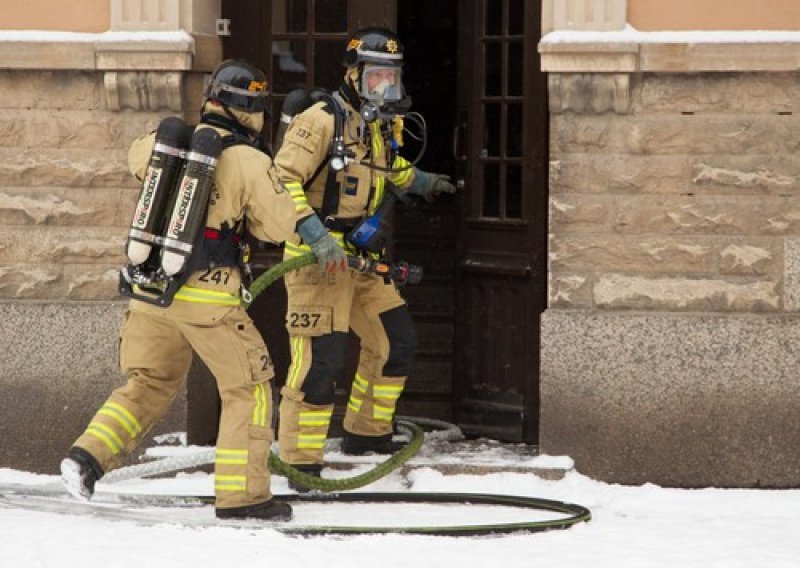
576, 513
311, 481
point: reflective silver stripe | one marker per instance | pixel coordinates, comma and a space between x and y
285, 118
170, 150
142, 235
202, 159
179, 245
380, 54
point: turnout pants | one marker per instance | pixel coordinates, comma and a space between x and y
155, 354
321, 310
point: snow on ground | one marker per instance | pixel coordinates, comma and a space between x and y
637, 527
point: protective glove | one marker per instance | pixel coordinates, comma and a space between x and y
429, 185
330, 254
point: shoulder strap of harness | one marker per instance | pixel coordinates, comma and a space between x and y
330, 197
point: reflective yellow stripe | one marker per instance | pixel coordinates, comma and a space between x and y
203, 296
360, 383
293, 250
354, 404
296, 344
231, 457
387, 391
290, 250
260, 410
298, 196
402, 178
106, 435
377, 150
382, 412
122, 416
311, 441
315, 417
230, 482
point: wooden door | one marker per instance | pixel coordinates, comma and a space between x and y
501, 152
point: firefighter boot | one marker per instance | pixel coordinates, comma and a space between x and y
79, 472
314, 469
271, 510
357, 445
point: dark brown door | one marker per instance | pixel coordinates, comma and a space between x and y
501, 152
473, 71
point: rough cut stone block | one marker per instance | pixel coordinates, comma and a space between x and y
91, 282
570, 291
65, 206
601, 173
24, 281
611, 253
708, 134
579, 213
68, 90
61, 245
750, 258
739, 175
618, 291
71, 129
64, 168
718, 93
708, 215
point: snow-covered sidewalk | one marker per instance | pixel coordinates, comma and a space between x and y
640, 527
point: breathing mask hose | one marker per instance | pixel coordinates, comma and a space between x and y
419, 121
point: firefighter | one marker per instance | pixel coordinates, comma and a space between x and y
324, 304
206, 316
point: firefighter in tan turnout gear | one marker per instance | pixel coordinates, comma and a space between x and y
205, 314
360, 126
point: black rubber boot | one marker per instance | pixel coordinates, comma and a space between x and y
314, 469
271, 510
79, 472
357, 445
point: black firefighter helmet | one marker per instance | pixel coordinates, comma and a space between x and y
378, 46
238, 84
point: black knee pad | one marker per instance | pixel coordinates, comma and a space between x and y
327, 361
402, 341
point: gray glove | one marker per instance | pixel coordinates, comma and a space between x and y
329, 253
430, 185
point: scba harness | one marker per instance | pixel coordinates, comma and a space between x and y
165, 242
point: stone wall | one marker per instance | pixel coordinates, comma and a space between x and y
66, 198
670, 347
687, 203
70, 105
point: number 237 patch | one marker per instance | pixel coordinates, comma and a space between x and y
309, 320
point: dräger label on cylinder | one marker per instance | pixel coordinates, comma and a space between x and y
179, 216
143, 208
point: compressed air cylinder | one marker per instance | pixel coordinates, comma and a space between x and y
295, 102
163, 169
191, 200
